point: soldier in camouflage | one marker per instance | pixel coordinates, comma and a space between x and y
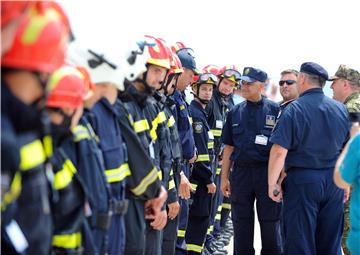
346, 89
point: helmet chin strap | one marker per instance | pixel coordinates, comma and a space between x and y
222, 94
203, 101
148, 89
174, 86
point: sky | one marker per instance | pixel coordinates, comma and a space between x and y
272, 35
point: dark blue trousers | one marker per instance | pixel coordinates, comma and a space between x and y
249, 184
313, 213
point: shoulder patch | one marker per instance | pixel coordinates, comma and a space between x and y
198, 127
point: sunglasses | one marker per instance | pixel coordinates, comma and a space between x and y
208, 78
246, 83
288, 82
229, 73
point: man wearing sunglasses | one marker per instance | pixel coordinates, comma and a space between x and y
288, 88
202, 175
246, 136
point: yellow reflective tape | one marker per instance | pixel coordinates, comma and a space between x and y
61, 73
210, 229
13, 193
160, 175
118, 174
48, 145
210, 145
63, 177
80, 133
141, 126
218, 216
190, 120
218, 170
171, 184
161, 117
149, 179
181, 233
171, 172
216, 132
153, 129
203, 158
36, 25
194, 247
32, 155
69, 241
226, 206
182, 107
171, 121
194, 186
219, 209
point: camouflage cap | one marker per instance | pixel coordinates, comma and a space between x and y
347, 73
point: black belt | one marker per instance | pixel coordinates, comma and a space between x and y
120, 207
250, 164
101, 220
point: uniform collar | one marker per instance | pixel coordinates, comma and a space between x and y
312, 91
352, 96
197, 105
107, 105
260, 102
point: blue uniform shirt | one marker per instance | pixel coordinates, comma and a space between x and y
248, 127
314, 129
184, 126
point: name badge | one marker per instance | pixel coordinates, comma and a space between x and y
151, 150
219, 124
16, 236
261, 139
211, 135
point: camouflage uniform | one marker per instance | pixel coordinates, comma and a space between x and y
352, 103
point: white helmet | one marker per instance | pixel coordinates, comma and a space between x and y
117, 62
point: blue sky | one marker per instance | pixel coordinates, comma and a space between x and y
271, 35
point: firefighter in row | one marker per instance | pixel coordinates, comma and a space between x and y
216, 110
202, 176
127, 168
183, 122
37, 50
66, 91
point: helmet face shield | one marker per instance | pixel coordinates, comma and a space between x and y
232, 75
208, 78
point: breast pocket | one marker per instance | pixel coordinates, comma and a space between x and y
238, 136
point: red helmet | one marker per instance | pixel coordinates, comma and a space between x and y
159, 54
178, 46
40, 40
175, 64
230, 72
67, 88
11, 10
211, 69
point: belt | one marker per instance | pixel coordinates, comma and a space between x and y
101, 220
120, 207
250, 164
